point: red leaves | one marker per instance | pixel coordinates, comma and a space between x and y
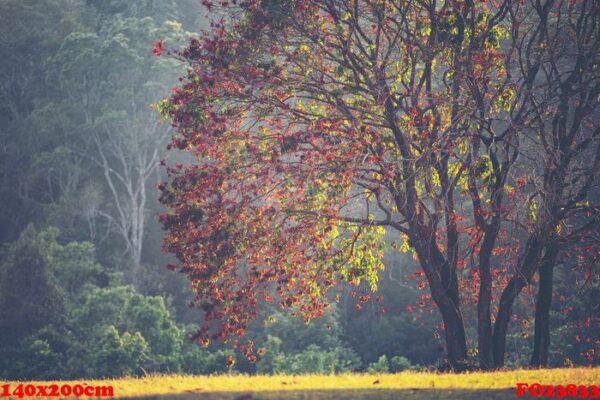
364, 298
521, 181
478, 59
280, 149
157, 49
498, 251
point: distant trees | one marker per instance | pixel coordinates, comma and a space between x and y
30, 295
56, 322
31, 31
78, 80
469, 129
59, 319
112, 78
81, 142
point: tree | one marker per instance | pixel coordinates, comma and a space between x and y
77, 72
116, 355
30, 295
124, 137
142, 327
31, 31
573, 318
559, 61
316, 126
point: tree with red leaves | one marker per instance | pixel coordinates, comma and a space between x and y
318, 126
561, 60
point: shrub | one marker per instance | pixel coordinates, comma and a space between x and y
273, 361
380, 366
312, 360
400, 363
195, 360
316, 361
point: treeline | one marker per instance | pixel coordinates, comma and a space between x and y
63, 315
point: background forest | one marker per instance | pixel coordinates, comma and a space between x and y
84, 291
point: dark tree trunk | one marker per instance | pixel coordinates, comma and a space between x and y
484, 320
484, 323
541, 341
509, 294
444, 292
454, 330
527, 267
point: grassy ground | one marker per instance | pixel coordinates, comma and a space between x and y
408, 385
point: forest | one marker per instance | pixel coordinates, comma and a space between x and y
296, 187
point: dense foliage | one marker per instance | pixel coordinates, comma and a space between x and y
83, 288
466, 130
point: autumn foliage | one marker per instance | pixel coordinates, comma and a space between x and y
316, 128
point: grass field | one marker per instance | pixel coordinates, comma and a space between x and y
407, 385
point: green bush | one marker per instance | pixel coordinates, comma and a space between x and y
38, 355
380, 366
312, 360
199, 361
128, 312
399, 364
273, 361
31, 297
115, 355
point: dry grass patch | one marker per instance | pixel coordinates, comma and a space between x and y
413, 385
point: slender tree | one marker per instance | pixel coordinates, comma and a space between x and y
112, 76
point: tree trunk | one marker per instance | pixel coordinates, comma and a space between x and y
522, 277
484, 323
444, 292
484, 320
447, 299
541, 341
509, 294
456, 344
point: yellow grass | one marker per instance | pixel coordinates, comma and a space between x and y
413, 385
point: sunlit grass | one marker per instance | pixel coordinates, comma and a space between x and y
414, 385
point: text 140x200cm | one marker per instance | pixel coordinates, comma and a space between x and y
30, 390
